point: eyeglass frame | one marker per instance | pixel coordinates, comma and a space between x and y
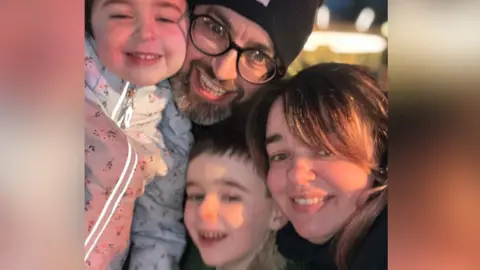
231, 45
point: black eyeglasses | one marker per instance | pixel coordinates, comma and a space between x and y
211, 38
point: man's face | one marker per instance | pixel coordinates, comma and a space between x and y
206, 88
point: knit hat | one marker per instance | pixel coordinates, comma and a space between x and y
287, 22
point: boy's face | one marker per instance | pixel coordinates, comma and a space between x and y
228, 213
142, 41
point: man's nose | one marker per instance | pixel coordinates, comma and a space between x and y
225, 66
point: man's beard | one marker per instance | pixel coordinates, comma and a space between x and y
197, 110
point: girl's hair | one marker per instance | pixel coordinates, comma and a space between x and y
336, 107
88, 17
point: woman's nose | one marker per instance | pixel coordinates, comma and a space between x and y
301, 171
209, 209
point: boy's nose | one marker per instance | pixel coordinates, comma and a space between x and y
209, 209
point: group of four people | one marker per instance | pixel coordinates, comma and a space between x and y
188, 97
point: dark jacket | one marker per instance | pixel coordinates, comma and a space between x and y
369, 254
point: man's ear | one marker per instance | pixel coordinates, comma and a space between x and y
278, 219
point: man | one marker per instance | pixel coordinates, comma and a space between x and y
235, 47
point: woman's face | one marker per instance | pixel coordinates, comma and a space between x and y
316, 191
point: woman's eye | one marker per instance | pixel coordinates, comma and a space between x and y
278, 157
195, 197
324, 153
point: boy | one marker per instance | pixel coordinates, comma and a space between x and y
229, 213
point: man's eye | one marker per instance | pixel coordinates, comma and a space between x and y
217, 29
258, 57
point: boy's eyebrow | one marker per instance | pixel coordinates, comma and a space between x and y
273, 138
221, 181
231, 183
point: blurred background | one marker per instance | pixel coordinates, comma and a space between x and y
349, 31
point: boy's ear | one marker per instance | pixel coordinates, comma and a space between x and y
278, 220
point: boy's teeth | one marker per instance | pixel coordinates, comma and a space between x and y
210, 87
212, 235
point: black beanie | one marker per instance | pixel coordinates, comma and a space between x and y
288, 22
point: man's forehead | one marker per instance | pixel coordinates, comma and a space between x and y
244, 32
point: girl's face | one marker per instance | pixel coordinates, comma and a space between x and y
228, 213
316, 191
142, 41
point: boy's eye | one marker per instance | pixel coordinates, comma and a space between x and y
231, 198
278, 157
195, 197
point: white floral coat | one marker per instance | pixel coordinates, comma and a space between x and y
162, 139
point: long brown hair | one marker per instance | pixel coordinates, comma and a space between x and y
325, 99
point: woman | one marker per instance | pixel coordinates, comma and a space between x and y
321, 137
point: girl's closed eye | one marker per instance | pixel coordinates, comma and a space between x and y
168, 16
118, 16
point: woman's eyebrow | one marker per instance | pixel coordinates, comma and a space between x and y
273, 138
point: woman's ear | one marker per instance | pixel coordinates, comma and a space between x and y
278, 219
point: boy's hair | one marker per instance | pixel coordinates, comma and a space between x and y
227, 137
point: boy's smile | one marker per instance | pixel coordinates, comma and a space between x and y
228, 212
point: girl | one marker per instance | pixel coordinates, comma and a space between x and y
131, 48
321, 136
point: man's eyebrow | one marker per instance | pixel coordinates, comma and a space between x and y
273, 139
224, 20
231, 183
